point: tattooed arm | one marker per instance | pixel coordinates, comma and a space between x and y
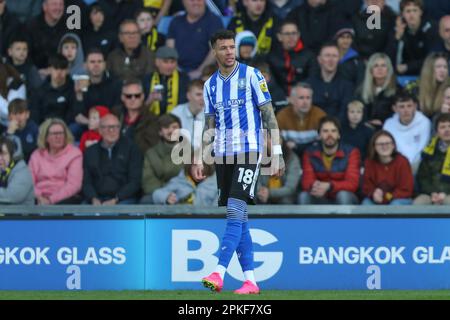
207, 139
271, 125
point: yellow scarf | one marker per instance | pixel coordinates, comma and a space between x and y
429, 151
264, 41
157, 4
172, 92
152, 39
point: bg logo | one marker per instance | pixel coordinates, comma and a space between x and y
209, 245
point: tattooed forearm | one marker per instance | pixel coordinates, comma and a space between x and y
208, 130
270, 122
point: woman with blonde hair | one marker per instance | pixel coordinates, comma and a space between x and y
432, 83
56, 166
378, 89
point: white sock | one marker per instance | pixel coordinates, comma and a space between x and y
221, 270
250, 275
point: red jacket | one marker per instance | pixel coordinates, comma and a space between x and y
395, 178
344, 172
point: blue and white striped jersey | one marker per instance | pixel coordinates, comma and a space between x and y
235, 102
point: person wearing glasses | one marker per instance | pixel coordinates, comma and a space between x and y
289, 61
56, 166
388, 177
130, 58
137, 122
112, 168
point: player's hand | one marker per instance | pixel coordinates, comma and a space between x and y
197, 172
96, 202
81, 119
277, 166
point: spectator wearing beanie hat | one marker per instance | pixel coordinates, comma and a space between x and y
245, 46
350, 66
92, 136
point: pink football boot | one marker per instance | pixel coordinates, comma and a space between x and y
248, 288
213, 282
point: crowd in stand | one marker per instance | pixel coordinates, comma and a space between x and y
93, 115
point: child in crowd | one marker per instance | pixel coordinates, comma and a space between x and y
21, 126
151, 38
18, 58
245, 46
183, 189
354, 131
71, 48
92, 136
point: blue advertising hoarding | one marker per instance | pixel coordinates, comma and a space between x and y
175, 253
307, 253
72, 254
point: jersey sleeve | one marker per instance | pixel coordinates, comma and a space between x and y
260, 91
209, 107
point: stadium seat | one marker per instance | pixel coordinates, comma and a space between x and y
163, 25
225, 21
404, 80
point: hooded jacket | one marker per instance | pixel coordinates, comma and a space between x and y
20, 190
58, 176
412, 138
77, 66
204, 193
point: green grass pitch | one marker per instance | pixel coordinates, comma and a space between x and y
226, 295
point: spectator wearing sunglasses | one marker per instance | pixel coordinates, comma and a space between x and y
137, 122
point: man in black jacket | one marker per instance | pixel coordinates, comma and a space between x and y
56, 96
45, 32
413, 38
289, 61
368, 41
112, 167
9, 25
317, 21
332, 92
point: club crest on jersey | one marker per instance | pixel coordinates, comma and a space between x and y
213, 88
241, 83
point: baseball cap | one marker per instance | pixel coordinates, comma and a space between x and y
166, 53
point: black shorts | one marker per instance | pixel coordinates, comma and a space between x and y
237, 177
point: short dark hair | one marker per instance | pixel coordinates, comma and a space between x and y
167, 119
58, 61
18, 38
404, 3
222, 34
94, 50
443, 117
327, 119
404, 95
10, 146
17, 106
328, 44
286, 22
